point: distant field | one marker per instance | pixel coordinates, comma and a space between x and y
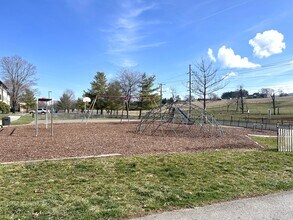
258, 109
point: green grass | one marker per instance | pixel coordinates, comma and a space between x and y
23, 120
269, 142
258, 109
111, 188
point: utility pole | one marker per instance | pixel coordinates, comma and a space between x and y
189, 90
161, 98
47, 109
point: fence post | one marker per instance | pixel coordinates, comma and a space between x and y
285, 138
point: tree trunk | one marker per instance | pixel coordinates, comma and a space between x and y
274, 103
242, 105
204, 101
14, 104
127, 108
140, 109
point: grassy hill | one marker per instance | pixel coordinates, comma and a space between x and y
258, 109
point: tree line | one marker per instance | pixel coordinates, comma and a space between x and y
130, 89
135, 89
239, 96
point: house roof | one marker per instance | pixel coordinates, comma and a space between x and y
3, 85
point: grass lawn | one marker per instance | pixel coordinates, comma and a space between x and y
121, 187
269, 142
258, 109
23, 120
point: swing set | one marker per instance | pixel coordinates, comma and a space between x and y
125, 104
36, 115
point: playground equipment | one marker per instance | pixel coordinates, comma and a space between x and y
124, 103
36, 115
92, 105
179, 119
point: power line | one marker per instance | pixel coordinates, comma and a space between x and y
241, 74
263, 68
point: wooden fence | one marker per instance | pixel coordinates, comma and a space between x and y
285, 138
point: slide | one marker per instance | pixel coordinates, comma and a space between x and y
184, 115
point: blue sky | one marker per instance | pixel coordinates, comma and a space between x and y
250, 42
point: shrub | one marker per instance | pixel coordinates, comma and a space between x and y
4, 108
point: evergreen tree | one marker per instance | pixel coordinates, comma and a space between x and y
80, 104
114, 99
28, 97
146, 96
97, 90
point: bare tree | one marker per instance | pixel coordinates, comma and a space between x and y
282, 93
273, 96
270, 92
241, 97
173, 94
267, 91
67, 100
18, 75
229, 102
129, 81
206, 80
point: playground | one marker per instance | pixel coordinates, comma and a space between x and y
19, 143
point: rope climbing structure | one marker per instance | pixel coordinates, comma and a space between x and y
179, 119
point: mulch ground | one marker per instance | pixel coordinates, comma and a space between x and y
78, 139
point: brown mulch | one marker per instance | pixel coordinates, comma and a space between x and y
74, 140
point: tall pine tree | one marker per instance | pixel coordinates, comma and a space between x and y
147, 98
114, 100
98, 90
28, 97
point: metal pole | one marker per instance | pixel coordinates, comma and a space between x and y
161, 98
52, 117
51, 102
189, 109
47, 110
36, 115
46, 115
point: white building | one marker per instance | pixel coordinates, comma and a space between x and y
4, 96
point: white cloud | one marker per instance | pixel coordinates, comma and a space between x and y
285, 86
211, 55
128, 63
229, 59
228, 75
291, 62
128, 32
267, 43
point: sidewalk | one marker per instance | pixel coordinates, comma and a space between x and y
271, 207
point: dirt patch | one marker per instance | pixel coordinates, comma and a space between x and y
73, 140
